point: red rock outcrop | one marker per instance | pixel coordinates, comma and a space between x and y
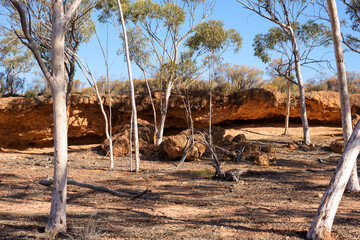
26, 122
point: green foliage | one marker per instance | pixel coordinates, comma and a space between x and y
205, 173
308, 35
30, 93
15, 60
324, 83
139, 47
174, 15
353, 10
239, 76
211, 37
141, 10
108, 7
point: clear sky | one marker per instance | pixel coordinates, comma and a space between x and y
233, 15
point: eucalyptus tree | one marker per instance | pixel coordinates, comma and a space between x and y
346, 171
353, 184
55, 75
353, 10
165, 24
79, 30
212, 40
15, 60
287, 15
133, 104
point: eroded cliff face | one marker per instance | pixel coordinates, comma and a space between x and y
27, 122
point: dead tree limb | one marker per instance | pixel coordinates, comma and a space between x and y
97, 188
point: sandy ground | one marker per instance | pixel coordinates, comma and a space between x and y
184, 203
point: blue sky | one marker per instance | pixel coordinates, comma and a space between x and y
234, 16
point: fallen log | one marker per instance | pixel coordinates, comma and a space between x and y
98, 188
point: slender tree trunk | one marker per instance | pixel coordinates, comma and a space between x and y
131, 141
133, 103
57, 218
322, 223
210, 100
353, 184
159, 136
288, 102
304, 119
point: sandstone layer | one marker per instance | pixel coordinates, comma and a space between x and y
27, 122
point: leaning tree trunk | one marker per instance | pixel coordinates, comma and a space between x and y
165, 106
133, 103
304, 119
353, 184
321, 226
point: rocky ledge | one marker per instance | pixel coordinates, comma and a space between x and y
27, 122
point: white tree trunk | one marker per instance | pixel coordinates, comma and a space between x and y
57, 218
304, 119
133, 103
353, 184
288, 102
160, 133
321, 226
56, 79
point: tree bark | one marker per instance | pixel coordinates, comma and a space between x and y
57, 218
56, 80
160, 133
288, 102
322, 223
353, 184
305, 123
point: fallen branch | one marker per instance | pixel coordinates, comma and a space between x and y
234, 174
321, 160
98, 188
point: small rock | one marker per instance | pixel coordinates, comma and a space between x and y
240, 138
228, 140
291, 146
268, 148
337, 146
261, 159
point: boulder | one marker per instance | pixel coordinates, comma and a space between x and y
337, 146
239, 138
121, 143
227, 140
172, 148
261, 159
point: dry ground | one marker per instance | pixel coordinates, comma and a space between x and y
185, 203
